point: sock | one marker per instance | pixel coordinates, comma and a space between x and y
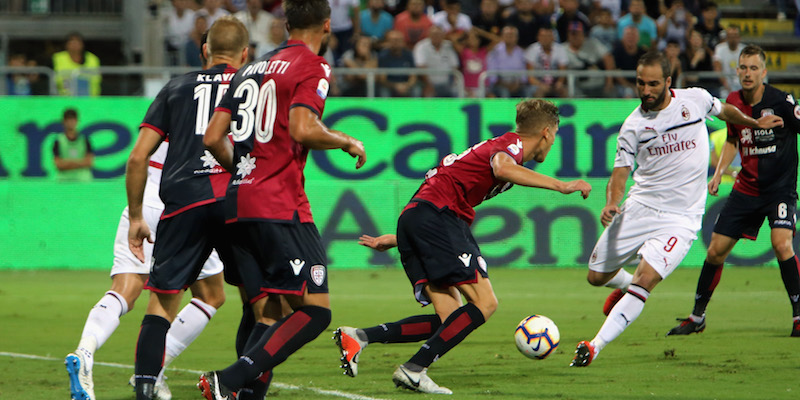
411, 329
626, 311
790, 273
709, 278
246, 325
186, 328
102, 321
620, 281
455, 328
257, 389
150, 349
281, 340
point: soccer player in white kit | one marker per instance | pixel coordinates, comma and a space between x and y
128, 276
666, 139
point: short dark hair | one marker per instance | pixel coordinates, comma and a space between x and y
70, 113
708, 5
754, 50
654, 57
304, 14
73, 35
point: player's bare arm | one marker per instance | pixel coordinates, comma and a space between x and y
380, 243
732, 114
135, 179
506, 169
726, 157
615, 191
306, 128
216, 140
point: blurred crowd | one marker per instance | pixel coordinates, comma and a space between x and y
462, 39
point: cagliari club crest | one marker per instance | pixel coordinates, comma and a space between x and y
767, 111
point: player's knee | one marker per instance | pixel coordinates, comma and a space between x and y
783, 250
595, 280
714, 256
213, 298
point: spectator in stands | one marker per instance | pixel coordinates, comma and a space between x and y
605, 30
674, 24
360, 56
212, 10
726, 61
277, 35
489, 20
274, 7
193, 47
453, 22
258, 23
345, 24
396, 55
72, 152
673, 52
413, 23
20, 84
698, 58
234, 6
473, 58
179, 24
545, 11
508, 56
648, 34
525, 21
548, 55
375, 21
613, 6
589, 54
570, 13
708, 26
626, 56
76, 69
434, 52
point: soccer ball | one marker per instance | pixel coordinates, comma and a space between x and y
537, 336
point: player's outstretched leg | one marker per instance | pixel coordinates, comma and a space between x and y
351, 341
612, 300
790, 274
79, 368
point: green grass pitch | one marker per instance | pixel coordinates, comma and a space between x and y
745, 353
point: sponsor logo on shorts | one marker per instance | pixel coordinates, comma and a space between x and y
465, 258
318, 274
782, 222
297, 265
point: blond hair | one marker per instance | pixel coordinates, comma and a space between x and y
534, 114
227, 37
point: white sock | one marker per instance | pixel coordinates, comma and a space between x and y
621, 280
186, 328
102, 321
626, 311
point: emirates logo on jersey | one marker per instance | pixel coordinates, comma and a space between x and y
685, 113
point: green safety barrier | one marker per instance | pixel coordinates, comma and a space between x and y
50, 224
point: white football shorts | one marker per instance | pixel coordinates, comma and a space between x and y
639, 232
126, 263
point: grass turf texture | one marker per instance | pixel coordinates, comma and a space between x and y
745, 352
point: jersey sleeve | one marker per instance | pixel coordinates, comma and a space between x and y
626, 147
508, 144
313, 89
711, 105
792, 118
227, 103
157, 117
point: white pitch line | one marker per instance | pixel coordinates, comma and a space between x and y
351, 396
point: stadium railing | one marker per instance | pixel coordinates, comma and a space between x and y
146, 81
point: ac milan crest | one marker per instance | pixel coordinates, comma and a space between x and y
685, 113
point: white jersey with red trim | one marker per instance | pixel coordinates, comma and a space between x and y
151, 198
670, 150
